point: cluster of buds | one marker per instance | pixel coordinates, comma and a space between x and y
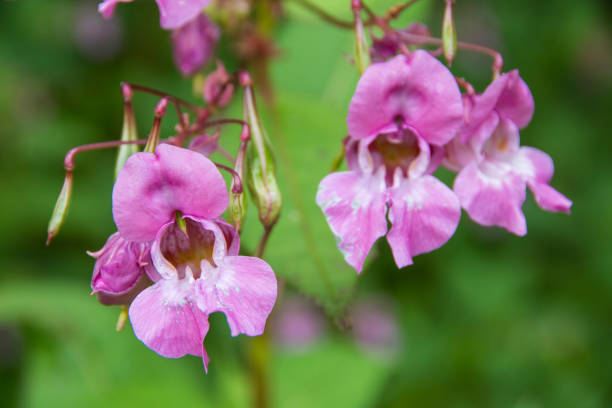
406, 118
173, 260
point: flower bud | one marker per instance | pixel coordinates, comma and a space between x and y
261, 166
237, 203
362, 50
218, 88
154, 135
449, 35
61, 208
129, 132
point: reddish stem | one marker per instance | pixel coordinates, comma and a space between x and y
69, 159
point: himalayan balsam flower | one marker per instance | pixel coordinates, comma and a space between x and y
194, 43
401, 113
172, 13
493, 169
172, 199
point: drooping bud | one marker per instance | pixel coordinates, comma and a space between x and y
61, 208
237, 204
261, 166
160, 112
129, 132
218, 88
362, 50
449, 34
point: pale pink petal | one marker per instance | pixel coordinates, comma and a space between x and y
492, 197
166, 319
354, 205
424, 214
193, 44
107, 7
534, 165
152, 187
549, 199
503, 143
175, 13
242, 287
536, 168
416, 89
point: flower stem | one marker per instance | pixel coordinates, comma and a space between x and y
261, 247
324, 15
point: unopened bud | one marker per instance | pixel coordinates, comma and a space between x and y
238, 203
160, 112
261, 166
61, 208
449, 34
129, 132
362, 49
218, 88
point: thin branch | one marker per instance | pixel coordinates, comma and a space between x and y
324, 15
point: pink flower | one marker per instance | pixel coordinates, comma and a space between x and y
493, 169
172, 13
400, 114
194, 43
172, 198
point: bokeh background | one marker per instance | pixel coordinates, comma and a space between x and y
489, 320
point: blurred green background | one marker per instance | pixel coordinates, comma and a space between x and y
488, 320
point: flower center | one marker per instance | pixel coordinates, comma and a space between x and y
393, 150
187, 245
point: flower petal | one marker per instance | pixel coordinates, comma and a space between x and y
516, 101
424, 214
492, 197
508, 96
194, 43
152, 187
549, 199
537, 168
107, 7
242, 287
354, 205
416, 88
119, 265
166, 319
175, 13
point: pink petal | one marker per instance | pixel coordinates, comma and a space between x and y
537, 168
354, 205
107, 7
242, 287
424, 214
516, 102
175, 13
508, 96
166, 319
534, 165
205, 144
194, 43
152, 187
550, 199
119, 265
492, 197
503, 143
418, 89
